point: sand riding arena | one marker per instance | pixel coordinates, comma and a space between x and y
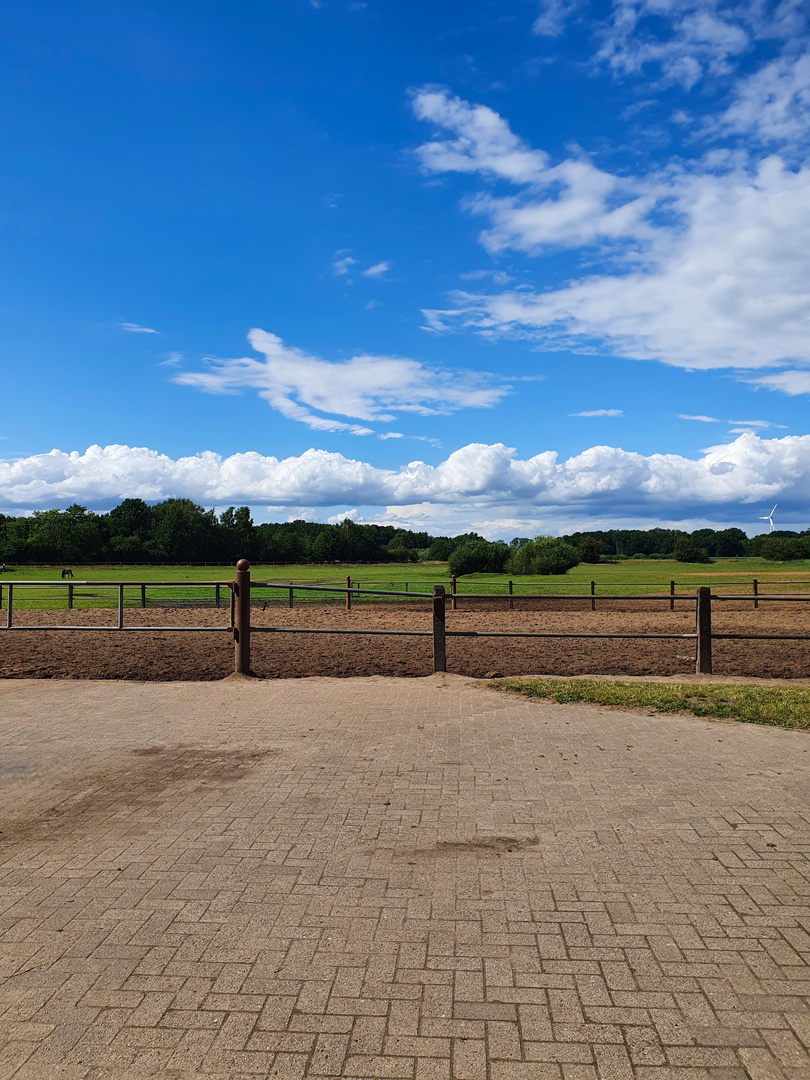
171, 654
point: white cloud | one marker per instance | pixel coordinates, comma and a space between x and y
341, 266
391, 435
710, 266
789, 382
369, 388
771, 105
173, 359
134, 328
679, 41
702, 419
482, 140
377, 270
476, 484
600, 412
554, 14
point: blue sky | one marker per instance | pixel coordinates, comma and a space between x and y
513, 266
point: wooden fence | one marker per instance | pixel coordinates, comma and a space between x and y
240, 626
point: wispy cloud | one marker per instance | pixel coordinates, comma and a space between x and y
702, 419
705, 267
134, 328
367, 388
377, 270
342, 265
599, 412
174, 359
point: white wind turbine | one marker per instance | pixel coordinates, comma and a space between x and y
769, 517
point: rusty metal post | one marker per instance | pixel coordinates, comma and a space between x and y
511, 600
241, 630
703, 664
439, 652
452, 592
70, 598
672, 596
593, 596
348, 593
755, 583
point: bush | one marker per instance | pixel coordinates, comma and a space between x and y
686, 550
544, 555
590, 549
478, 557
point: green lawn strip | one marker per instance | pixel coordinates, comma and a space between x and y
777, 706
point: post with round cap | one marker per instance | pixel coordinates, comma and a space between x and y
241, 629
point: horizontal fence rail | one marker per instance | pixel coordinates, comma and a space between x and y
240, 627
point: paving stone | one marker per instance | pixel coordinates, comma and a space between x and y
404, 879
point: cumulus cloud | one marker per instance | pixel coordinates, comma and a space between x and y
708, 267
370, 388
477, 483
134, 328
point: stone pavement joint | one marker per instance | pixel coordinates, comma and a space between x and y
396, 878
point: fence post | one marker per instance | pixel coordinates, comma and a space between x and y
452, 592
241, 630
672, 596
143, 595
593, 596
1, 597
120, 607
348, 593
290, 600
511, 600
232, 606
10, 605
70, 598
439, 653
703, 665
216, 596
755, 583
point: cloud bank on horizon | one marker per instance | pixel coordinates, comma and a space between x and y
485, 484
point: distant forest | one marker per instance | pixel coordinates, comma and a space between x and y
179, 531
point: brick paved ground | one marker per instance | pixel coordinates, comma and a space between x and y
397, 879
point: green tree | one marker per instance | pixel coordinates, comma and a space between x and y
686, 550
544, 555
478, 557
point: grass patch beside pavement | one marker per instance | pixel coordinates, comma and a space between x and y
786, 707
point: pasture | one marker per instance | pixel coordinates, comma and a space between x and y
613, 578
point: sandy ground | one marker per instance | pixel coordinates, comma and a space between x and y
165, 655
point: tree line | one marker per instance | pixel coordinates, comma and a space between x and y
179, 531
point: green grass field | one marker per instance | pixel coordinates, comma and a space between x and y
627, 576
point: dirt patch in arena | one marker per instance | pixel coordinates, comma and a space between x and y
161, 655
